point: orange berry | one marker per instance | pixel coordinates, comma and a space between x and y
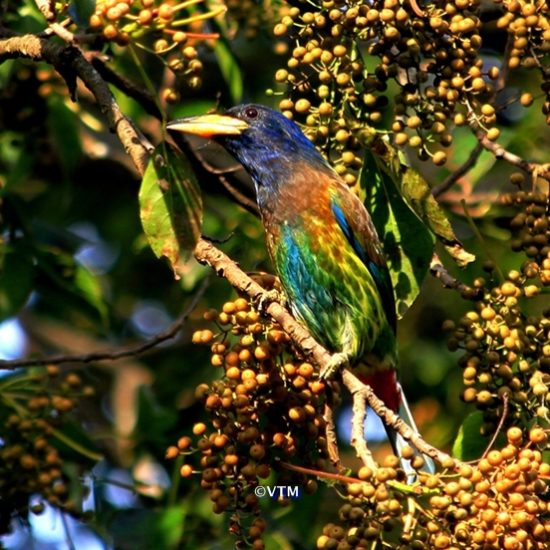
186, 470
199, 428
172, 452
165, 11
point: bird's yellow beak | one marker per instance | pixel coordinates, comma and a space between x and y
208, 126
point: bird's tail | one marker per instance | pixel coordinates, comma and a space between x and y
398, 442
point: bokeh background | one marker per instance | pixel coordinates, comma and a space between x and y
78, 276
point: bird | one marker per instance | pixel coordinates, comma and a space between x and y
323, 245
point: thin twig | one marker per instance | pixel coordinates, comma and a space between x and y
438, 270
462, 170
215, 176
503, 416
63, 33
125, 85
319, 473
46, 8
113, 354
505, 65
417, 9
501, 153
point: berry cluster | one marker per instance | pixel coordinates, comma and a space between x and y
265, 411
507, 355
30, 462
250, 16
349, 54
528, 25
498, 503
532, 228
378, 506
168, 29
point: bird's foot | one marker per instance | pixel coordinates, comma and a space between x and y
336, 362
267, 297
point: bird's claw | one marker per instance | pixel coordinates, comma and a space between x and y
336, 362
267, 297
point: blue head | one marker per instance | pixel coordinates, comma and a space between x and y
264, 141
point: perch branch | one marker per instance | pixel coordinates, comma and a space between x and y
366, 393
209, 255
70, 62
358, 427
330, 431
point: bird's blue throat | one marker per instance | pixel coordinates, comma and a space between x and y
269, 151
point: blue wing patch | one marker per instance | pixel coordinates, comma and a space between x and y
345, 227
380, 274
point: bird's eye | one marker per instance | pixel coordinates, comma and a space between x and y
251, 112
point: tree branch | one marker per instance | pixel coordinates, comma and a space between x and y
358, 418
113, 354
366, 393
330, 432
70, 62
207, 254
533, 168
438, 270
462, 170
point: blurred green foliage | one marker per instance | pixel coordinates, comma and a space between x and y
78, 276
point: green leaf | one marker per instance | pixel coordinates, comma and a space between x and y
170, 206
16, 282
230, 69
89, 287
6, 72
418, 196
469, 445
417, 193
408, 244
63, 127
